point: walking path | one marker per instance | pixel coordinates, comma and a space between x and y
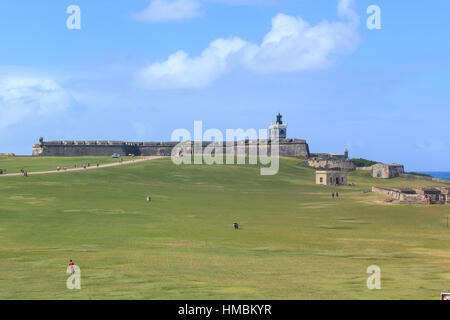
113, 164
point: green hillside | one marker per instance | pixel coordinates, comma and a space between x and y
296, 242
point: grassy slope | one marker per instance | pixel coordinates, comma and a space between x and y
30, 164
295, 243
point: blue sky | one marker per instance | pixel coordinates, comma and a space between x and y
139, 69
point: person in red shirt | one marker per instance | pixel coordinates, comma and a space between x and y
71, 264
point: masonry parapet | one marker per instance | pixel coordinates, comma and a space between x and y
288, 147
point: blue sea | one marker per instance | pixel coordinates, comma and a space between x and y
437, 174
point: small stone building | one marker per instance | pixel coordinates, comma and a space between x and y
331, 177
387, 171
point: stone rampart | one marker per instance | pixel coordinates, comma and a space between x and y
287, 147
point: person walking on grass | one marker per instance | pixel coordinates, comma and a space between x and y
235, 225
337, 194
332, 195
71, 264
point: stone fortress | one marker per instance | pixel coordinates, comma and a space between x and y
287, 147
331, 169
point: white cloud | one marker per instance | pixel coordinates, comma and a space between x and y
180, 71
165, 10
244, 2
435, 145
30, 97
291, 45
294, 45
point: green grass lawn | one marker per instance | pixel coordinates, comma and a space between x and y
31, 164
295, 242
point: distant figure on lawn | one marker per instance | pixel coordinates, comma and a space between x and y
337, 194
332, 195
149, 198
72, 270
235, 225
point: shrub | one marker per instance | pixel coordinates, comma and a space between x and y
363, 162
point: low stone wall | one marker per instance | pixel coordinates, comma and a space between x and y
414, 176
386, 192
414, 196
400, 197
364, 169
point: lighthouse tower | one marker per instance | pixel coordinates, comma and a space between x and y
278, 129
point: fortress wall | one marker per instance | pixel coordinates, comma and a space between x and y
331, 164
297, 148
147, 150
78, 150
328, 156
414, 176
396, 171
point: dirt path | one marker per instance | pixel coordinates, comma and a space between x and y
114, 164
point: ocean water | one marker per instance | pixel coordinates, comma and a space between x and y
438, 174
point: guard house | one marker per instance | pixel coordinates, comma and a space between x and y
278, 129
387, 171
331, 177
